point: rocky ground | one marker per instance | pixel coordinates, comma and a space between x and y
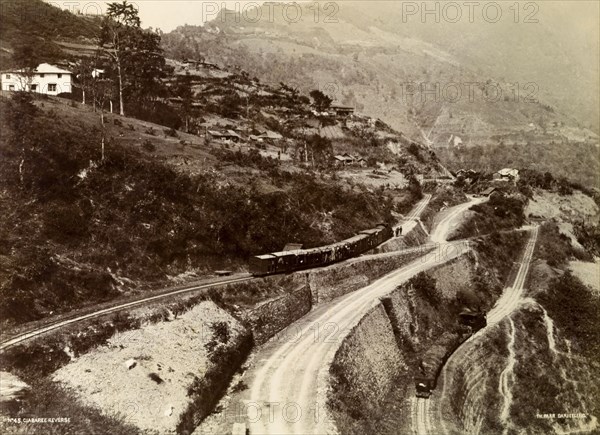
144, 375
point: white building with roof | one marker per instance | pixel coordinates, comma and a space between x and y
44, 79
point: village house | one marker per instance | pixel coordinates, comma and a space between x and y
347, 159
507, 174
343, 159
44, 79
342, 111
224, 136
487, 192
270, 136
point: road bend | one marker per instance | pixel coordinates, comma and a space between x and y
288, 376
451, 219
424, 420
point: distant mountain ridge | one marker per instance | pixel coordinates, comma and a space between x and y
371, 59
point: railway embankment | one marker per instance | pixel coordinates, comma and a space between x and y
331, 282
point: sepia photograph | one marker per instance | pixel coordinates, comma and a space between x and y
299, 217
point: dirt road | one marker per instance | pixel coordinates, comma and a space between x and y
424, 420
451, 219
52, 325
288, 376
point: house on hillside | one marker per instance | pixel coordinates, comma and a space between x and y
360, 161
44, 79
224, 136
270, 136
342, 111
343, 159
488, 191
507, 174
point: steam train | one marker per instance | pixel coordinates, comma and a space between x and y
290, 261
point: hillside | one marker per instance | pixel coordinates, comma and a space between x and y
91, 229
44, 24
217, 167
579, 162
362, 59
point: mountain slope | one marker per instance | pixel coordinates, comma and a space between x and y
45, 25
368, 60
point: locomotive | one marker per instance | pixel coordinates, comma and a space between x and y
290, 261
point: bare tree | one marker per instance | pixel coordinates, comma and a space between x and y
121, 20
103, 93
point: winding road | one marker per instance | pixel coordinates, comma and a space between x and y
423, 415
288, 378
451, 219
289, 375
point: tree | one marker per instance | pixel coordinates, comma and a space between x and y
21, 115
321, 102
117, 28
102, 93
320, 149
184, 91
27, 58
230, 105
136, 56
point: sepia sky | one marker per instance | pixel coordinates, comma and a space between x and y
168, 14
163, 14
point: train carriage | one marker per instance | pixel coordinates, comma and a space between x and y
289, 261
262, 264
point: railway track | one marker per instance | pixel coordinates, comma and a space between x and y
62, 323
419, 208
48, 327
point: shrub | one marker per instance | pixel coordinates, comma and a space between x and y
576, 311
553, 246
425, 285
501, 212
155, 378
149, 146
170, 132
64, 222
